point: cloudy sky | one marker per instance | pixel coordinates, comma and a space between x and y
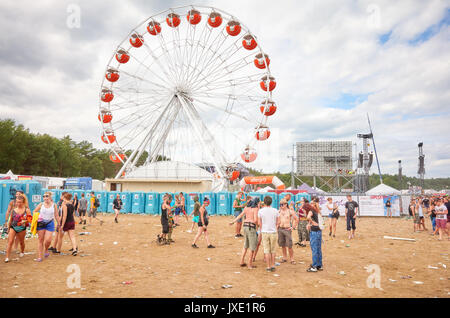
334, 61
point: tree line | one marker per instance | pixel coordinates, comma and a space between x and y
25, 153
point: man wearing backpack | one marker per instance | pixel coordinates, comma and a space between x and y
95, 203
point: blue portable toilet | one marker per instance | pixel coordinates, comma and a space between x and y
56, 195
103, 200
138, 202
110, 197
87, 196
33, 190
126, 202
8, 193
282, 195
151, 203
190, 201
78, 193
256, 195
299, 196
211, 208
223, 203
274, 197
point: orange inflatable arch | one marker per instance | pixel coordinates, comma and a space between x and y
263, 180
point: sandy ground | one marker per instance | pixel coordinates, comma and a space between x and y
178, 270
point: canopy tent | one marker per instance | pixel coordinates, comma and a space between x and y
383, 189
308, 189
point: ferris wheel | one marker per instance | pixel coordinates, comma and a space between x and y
190, 84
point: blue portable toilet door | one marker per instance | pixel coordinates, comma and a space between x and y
274, 197
110, 196
138, 202
9, 189
126, 202
151, 203
190, 201
222, 203
283, 194
101, 196
33, 192
211, 208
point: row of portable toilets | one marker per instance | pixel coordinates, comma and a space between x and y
221, 203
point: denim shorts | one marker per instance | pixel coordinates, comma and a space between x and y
236, 214
50, 227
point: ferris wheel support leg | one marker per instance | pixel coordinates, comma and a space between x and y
133, 158
204, 135
162, 138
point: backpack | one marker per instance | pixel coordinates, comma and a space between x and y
96, 203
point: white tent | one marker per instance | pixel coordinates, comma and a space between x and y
383, 189
266, 189
11, 175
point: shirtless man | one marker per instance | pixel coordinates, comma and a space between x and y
183, 205
285, 230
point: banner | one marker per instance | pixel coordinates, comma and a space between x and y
340, 200
373, 205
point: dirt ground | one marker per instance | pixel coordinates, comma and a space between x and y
178, 270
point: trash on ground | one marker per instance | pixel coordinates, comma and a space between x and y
208, 259
432, 267
71, 293
398, 238
115, 243
227, 286
443, 265
406, 277
417, 282
277, 264
392, 280
276, 275
127, 282
254, 296
237, 272
84, 233
348, 245
341, 273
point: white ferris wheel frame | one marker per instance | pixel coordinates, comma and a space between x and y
179, 101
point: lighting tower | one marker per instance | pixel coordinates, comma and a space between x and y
421, 170
364, 162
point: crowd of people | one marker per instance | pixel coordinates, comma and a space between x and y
260, 221
47, 218
263, 224
437, 209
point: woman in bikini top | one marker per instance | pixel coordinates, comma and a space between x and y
18, 225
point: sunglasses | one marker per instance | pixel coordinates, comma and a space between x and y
46, 196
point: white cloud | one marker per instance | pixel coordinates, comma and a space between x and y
319, 50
